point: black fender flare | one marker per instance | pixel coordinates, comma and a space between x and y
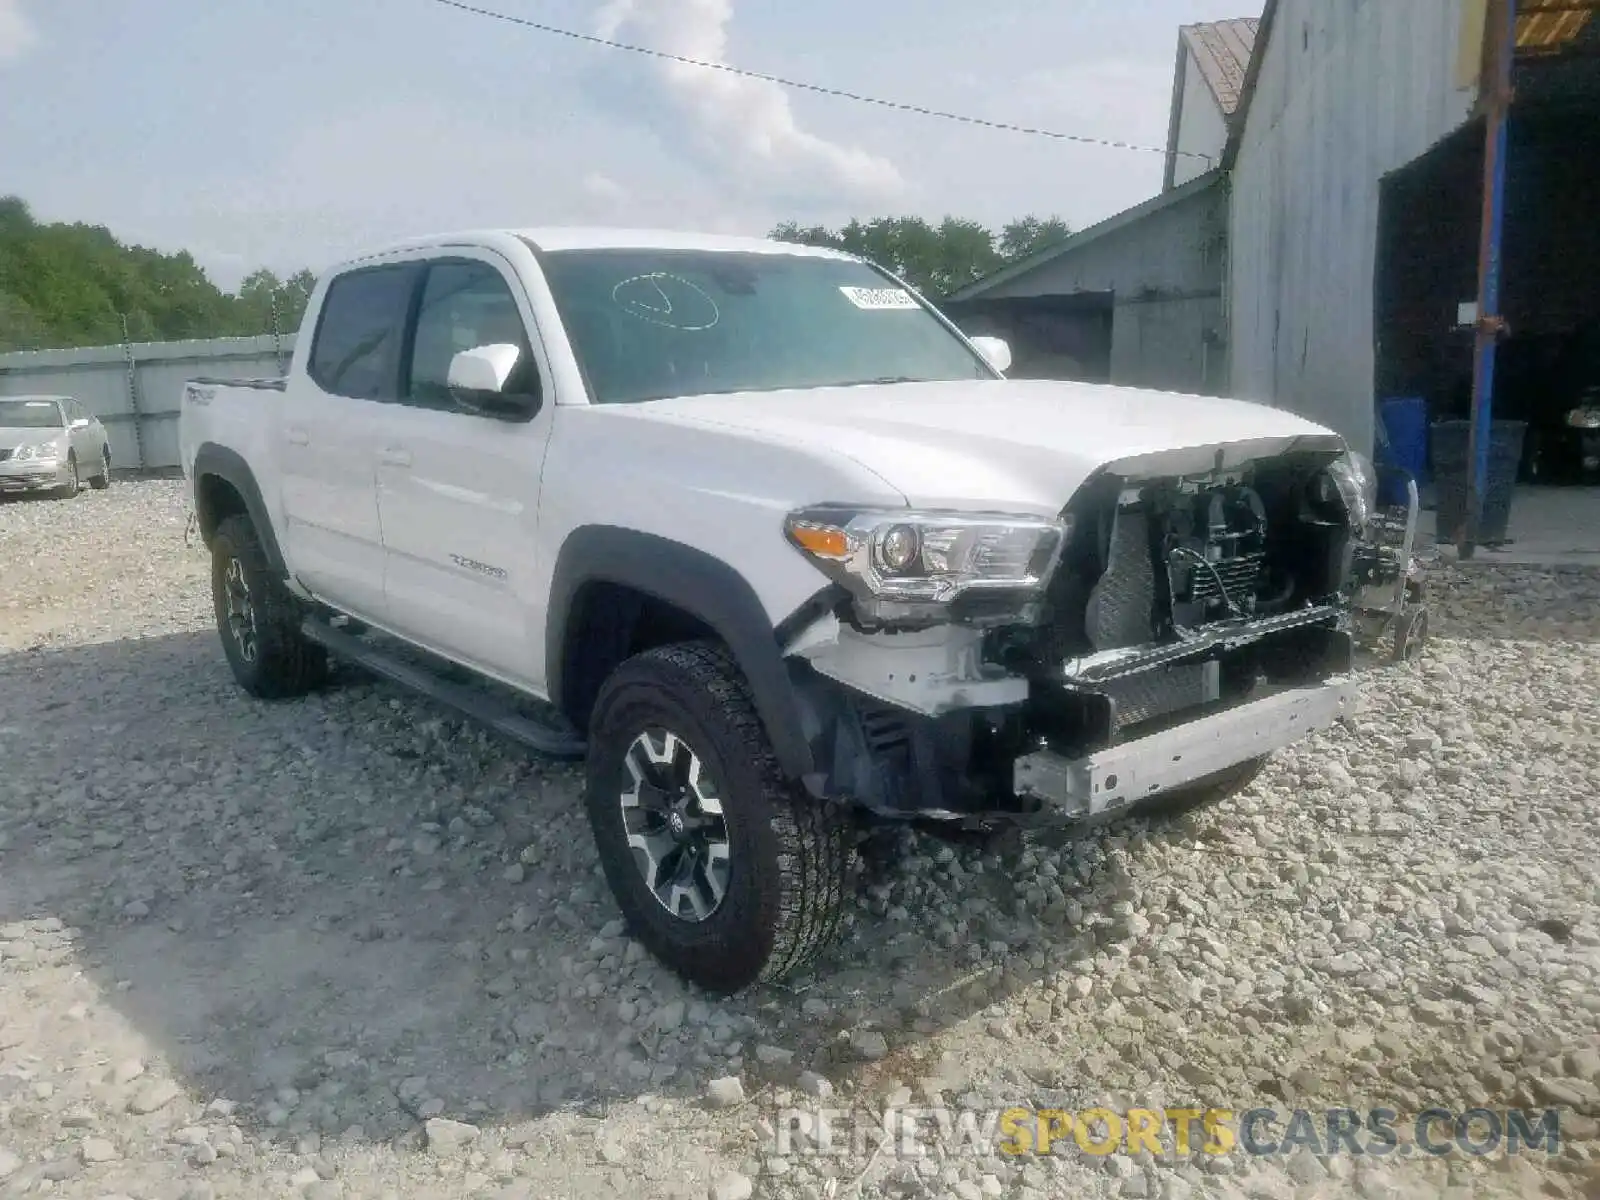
705, 588
212, 460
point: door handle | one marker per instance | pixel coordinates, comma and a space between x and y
395, 456
297, 437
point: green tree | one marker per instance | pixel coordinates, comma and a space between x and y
1031, 234
934, 259
65, 285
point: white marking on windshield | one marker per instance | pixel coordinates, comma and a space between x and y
649, 298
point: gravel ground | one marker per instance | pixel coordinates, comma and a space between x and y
345, 947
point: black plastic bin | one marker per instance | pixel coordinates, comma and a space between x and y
1452, 476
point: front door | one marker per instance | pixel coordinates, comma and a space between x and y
333, 414
458, 493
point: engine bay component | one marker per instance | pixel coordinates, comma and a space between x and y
1215, 555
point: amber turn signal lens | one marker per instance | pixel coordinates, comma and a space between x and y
825, 541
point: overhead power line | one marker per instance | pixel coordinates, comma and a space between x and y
800, 85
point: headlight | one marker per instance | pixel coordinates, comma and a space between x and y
1357, 483
896, 557
38, 452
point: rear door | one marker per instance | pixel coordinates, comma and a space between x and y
458, 492
332, 418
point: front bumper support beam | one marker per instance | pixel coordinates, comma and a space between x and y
1120, 775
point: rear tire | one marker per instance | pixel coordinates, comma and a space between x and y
102, 481
258, 620
1202, 793
761, 867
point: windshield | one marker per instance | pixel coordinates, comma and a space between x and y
648, 324
30, 414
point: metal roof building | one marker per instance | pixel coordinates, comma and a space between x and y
1138, 299
1357, 193
1207, 83
1388, 191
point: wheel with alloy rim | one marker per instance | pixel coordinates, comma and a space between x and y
241, 610
675, 826
724, 869
258, 620
102, 481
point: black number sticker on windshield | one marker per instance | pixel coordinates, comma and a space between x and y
667, 300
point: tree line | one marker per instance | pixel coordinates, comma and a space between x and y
935, 259
64, 285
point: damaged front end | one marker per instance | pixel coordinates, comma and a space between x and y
1186, 612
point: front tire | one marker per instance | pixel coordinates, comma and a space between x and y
73, 485
723, 869
258, 620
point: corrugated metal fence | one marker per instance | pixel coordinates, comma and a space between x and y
135, 389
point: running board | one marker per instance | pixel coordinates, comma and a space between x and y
534, 735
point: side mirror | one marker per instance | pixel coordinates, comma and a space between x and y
477, 380
995, 351
80, 423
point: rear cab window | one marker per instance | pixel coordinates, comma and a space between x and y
356, 349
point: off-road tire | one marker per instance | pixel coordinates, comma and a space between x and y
1202, 793
284, 663
102, 481
73, 485
789, 854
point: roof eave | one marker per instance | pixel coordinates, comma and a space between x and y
1247, 89
1083, 237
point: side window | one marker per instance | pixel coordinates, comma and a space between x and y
464, 305
363, 319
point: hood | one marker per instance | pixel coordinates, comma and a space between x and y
11, 436
1012, 445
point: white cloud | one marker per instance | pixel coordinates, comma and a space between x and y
603, 189
746, 123
17, 34
360, 178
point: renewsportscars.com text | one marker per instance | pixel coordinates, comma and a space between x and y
1166, 1132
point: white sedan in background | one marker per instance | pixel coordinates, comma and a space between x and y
51, 442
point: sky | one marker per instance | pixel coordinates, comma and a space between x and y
295, 133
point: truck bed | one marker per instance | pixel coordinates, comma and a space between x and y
240, 414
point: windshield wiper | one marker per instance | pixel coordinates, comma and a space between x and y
881, 379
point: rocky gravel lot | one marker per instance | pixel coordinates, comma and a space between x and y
346, 947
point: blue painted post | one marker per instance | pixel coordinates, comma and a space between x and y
1502, 28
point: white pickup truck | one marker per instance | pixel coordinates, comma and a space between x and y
775, 549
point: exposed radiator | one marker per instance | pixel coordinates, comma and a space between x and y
1237, 575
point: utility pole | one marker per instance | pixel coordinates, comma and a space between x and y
1499, 57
